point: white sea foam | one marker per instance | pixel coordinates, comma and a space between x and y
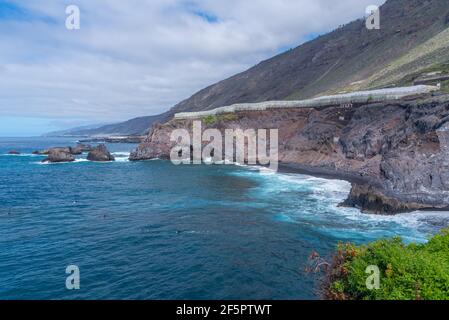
226, 161
208, 160
121, 156
310, 200
21, 155
56, 163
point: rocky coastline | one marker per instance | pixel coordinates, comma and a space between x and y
395, 153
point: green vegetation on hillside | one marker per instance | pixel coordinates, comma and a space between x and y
410, 78
210, 120
407, 272
227, 117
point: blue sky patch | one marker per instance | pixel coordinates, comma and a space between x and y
205, 16
12, 11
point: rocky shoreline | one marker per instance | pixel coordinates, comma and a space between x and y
395, 153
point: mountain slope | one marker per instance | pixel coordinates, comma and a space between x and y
136, 126
331, 62
73, 131
414, 36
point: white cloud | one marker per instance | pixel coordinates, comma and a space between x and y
134, 58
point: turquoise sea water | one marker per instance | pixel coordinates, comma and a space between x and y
152, 230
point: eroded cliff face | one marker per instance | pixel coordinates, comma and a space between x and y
396, 154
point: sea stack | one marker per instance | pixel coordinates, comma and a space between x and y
80, 148
14, 152
56, 155
100, 154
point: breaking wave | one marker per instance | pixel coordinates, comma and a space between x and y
314, 202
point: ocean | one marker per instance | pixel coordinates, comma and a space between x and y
152, 230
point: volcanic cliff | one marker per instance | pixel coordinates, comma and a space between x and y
396, 154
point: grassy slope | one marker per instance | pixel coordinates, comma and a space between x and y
433, 55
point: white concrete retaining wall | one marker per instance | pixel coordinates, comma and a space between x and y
347, 98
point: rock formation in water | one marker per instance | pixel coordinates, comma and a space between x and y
396, 153
56, 155
100, 154
14, 152
80, 148
48, 151
40, 152
77, 150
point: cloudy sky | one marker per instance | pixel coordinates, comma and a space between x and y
139, 57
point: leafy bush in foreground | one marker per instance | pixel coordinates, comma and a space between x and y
407, 272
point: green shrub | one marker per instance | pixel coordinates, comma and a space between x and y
407, 272
228, 117
210, 120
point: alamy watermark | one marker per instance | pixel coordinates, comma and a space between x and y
73, 20
72, 282
372, 17
228, 146
373, 280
